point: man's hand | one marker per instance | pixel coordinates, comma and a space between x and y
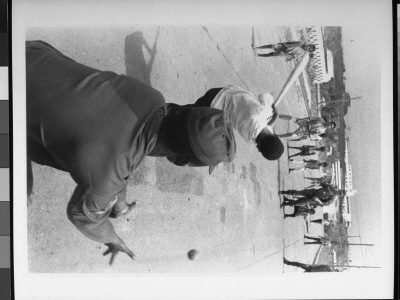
114, 248
116, 213
274, 117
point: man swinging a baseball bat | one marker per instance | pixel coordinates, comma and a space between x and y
251, 116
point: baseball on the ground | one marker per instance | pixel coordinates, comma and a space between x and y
193, 254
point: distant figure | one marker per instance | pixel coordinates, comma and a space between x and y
319, 241
327, 197
321, 221
290, 50
312, 164
328, 191
303, 201
306, 150
309, 268
298, 193
323, 196
313, 137
311, 200
309, 127
322, 191
300, 211
318, 180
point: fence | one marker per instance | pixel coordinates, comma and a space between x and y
314, 36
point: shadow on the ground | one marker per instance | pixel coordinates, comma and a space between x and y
187, 180
135, 62
256, 183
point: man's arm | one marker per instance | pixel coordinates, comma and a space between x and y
89, 212
310, 160
273, 119
315, 137
317, 201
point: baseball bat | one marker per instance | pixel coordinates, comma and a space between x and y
292, 78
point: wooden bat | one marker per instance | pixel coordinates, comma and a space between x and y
292, 78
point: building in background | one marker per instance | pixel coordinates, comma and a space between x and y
323, 57
348, 187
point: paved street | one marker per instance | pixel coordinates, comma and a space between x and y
231, 217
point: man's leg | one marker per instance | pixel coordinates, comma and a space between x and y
289, 215
313, 185
318, 221
301, 136
268, 54
313, 179
293, 43
288, 192
284, 135
296, 169
305, 153
311, 238
310, 168
294, 155
303, 201
304, 137
295, 264
305, 193
288, 202
297, 161
271, 46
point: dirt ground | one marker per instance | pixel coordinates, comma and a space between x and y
232, 217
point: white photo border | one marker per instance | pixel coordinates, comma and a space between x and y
138, 286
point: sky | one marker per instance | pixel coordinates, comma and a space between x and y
363, 78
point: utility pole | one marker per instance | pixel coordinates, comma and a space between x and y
360, 267
361, 244
341, 100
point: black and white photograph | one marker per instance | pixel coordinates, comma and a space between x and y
168, 147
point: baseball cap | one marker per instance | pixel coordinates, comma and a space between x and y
210, 137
